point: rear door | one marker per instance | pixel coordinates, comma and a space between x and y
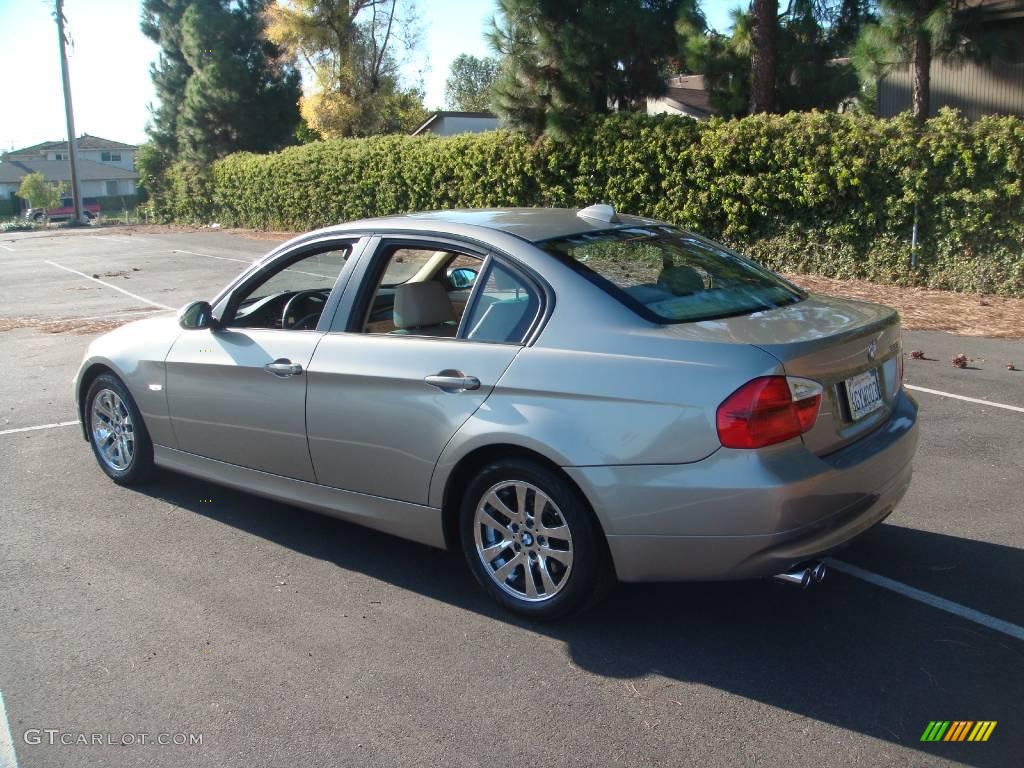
382, 401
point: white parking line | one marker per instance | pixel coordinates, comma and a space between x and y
7, 757
927, 598
39, 426
243, 261
108, 285
209, 256
963, 397
7, 248
116, 239
127, 314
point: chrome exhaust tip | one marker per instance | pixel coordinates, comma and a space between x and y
804, 576
800, 577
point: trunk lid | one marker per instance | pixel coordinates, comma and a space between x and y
830, 341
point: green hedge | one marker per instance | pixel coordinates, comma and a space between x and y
818, 193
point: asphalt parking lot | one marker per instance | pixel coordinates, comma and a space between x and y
282, 637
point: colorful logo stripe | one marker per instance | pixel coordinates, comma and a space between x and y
958, 730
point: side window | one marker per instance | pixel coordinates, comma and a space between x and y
505, 309
292, 297
416, 295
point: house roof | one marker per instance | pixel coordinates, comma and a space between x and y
12, 171
689, 93
85, 141
444, 113
994, 10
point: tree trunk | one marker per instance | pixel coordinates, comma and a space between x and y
763, 60
922, 63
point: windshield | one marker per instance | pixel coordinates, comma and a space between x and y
671, 276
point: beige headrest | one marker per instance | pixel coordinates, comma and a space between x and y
419, 305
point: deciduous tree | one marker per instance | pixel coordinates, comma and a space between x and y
39, 193
470, 81
351, 51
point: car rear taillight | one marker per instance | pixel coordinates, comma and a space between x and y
768, 410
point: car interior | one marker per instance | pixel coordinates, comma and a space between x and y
292, 298
420, 292
433, 298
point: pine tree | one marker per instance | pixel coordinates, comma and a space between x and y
564, 60
161, 23
764, 56
222, 86
809, 38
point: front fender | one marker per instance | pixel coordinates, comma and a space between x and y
135, 353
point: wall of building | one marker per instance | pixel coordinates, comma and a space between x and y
664, 107
974, 89
100, 188
451, 126
89, 188
96, 155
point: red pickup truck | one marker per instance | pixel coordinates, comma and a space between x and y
90, 209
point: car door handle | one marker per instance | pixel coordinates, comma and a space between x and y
453, 381
283, 368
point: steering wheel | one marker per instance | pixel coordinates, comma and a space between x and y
317, 296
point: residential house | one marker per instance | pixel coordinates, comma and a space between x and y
685, 95
105, 168
452, 123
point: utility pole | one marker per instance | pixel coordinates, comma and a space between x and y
68, 111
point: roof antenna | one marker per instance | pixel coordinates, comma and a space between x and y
600, 212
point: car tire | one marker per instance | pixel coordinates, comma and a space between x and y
88, 216
38, 218
569, 567
116, 431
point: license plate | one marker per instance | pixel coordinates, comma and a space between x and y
863, 394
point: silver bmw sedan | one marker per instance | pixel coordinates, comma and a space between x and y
569, 397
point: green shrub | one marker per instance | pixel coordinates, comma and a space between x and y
822, 193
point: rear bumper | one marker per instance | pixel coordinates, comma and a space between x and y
746, 514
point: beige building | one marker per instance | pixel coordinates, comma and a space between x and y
106, 168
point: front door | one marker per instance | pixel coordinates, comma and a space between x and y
390, 387
237, 393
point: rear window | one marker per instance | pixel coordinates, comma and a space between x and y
670, 276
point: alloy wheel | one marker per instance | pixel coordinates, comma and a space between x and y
523, 541
112, 429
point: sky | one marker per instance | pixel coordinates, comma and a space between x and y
110, 57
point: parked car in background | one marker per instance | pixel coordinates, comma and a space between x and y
566, 397
66, 210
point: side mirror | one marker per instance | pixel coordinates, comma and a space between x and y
196, 316
462, 277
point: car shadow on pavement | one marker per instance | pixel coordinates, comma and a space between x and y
844, 653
